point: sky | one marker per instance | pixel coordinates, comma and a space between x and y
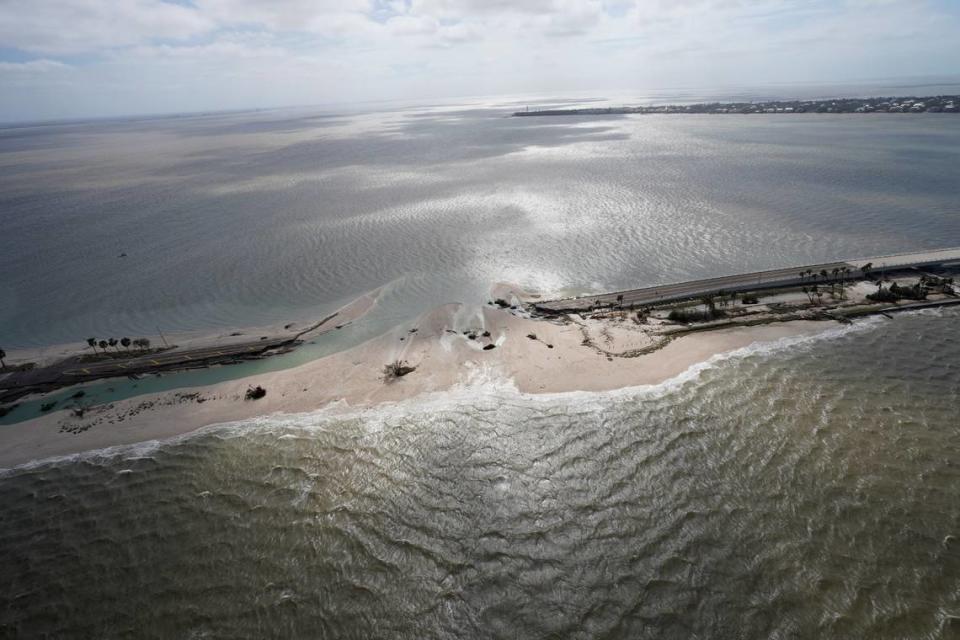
93, 58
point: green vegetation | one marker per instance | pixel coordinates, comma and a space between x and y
883, 295
689, 315
814, 294
141, 344
895, 292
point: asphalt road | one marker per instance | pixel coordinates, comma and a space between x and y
696, 288
172, 358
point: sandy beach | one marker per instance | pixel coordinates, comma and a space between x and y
447, 345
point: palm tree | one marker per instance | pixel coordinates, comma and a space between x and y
802, 273
93, 343
126, 343
3, 354
113, 343
103, 345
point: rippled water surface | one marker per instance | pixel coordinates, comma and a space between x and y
807, 490
254, 219
803, 491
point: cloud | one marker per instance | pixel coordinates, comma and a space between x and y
41, 65
78, 26
412, 25
153, 55
286, 15
515, 17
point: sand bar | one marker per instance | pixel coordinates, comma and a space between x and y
447, 346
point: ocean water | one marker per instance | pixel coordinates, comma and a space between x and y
806, 489
238, 220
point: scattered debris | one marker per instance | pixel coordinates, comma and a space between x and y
397, 369
532, 336
485, 334
489, 347
255, 393
47, 406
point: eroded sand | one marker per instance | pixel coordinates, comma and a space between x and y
438, 344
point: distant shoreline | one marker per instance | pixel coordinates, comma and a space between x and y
904, 104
